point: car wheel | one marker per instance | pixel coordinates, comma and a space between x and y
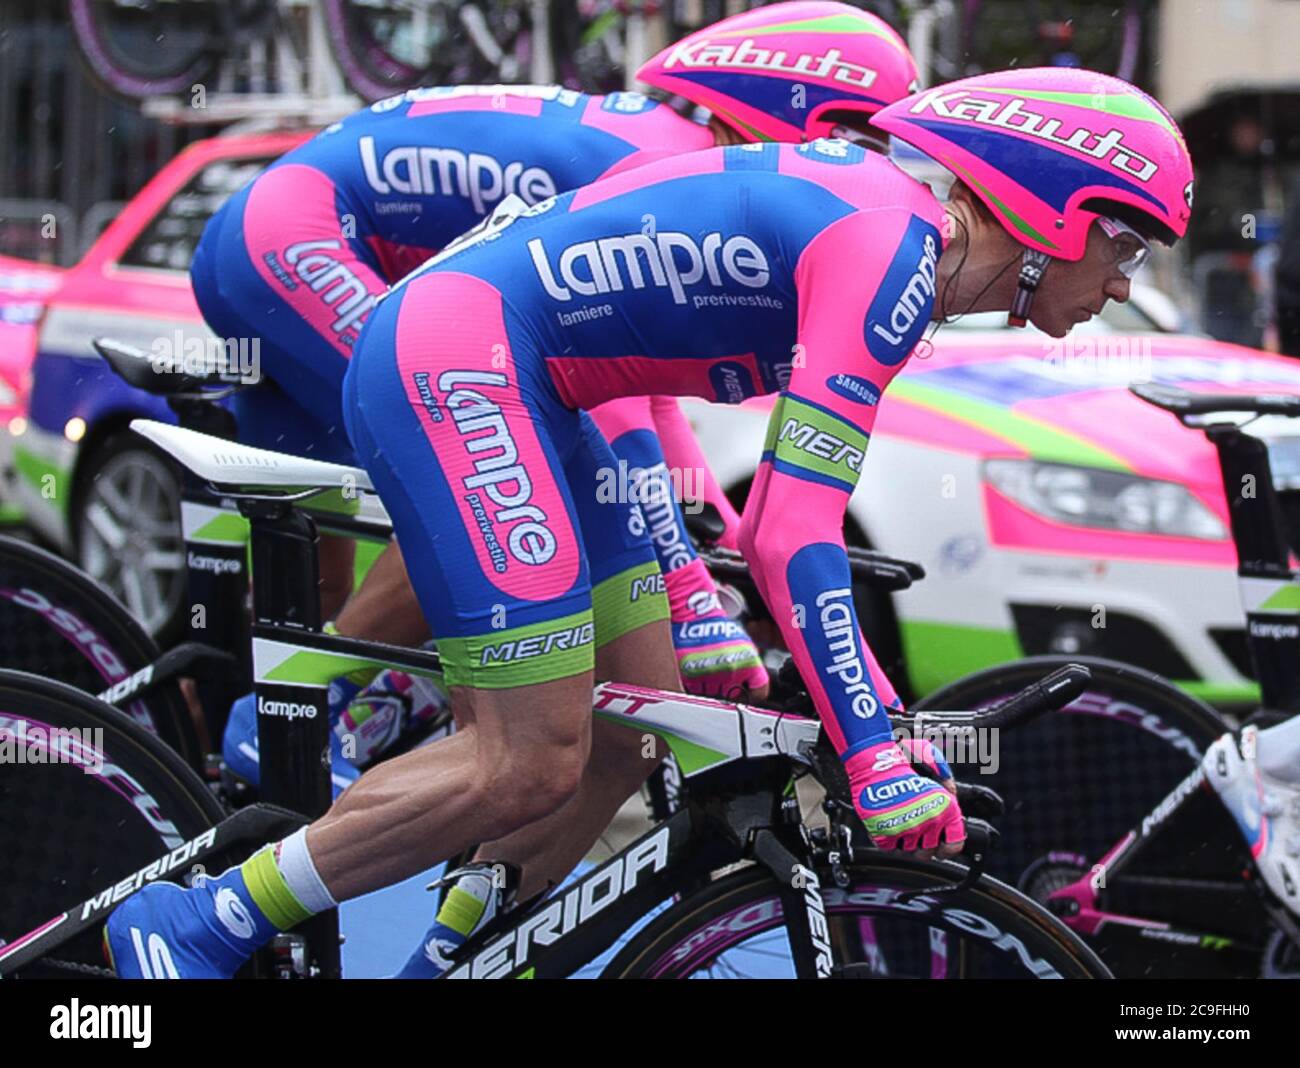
875, 608
126, 524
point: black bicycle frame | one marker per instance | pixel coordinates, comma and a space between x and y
241, 833
1263, 556
217, 582
560, 933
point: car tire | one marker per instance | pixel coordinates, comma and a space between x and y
125, 522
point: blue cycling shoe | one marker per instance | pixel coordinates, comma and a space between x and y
206, 932
239, 748
479, 892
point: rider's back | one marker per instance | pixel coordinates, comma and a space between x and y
416, 170
689, 275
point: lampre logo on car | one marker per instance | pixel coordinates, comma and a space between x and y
901, 308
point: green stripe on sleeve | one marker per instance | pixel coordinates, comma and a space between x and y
804, 436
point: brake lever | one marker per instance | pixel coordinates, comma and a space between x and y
981, 837
839, 841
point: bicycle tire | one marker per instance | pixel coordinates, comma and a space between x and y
1076, 781
69, 832
374, 72
153, 76
725, 915
58, 622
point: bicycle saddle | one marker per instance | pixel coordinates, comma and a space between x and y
229, 464
1184, 403
158, 376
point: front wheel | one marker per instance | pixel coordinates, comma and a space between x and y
734, 929
88, 800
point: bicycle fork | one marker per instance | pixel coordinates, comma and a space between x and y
802, 904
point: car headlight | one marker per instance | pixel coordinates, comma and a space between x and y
1110, 500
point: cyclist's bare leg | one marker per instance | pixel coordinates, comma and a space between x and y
384, 608
336, 557
621, 759
519, 758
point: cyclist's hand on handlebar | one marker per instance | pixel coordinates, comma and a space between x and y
922, 752
903, 809
730, 668
715, 656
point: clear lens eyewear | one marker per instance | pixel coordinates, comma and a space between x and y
1131, 247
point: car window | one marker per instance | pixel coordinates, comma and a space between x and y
168, 241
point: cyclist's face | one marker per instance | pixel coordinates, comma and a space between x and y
1072, 293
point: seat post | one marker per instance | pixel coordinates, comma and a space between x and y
1263, 566
216, 551
292, 715
293, 724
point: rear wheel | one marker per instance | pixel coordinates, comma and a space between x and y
734, 928
87, 798
140, 48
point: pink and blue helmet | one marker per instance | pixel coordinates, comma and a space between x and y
777, 72
1050, 149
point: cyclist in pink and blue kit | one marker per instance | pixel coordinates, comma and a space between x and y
299, 257
808, 272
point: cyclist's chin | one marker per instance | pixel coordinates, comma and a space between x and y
1053, 324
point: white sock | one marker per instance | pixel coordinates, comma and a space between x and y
1278, 753
300, 875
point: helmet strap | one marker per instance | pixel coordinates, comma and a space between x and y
1032, 265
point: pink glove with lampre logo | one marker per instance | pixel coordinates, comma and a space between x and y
715, 656
901, 807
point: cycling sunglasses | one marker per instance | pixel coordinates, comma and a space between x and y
1131, 248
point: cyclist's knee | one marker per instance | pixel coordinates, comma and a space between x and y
533, 781
642, 657
622, 754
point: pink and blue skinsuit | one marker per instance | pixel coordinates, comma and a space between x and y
298, 258
805, 271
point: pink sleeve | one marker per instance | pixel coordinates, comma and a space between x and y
615, 418
682, 451
856, 329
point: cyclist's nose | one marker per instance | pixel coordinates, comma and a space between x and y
1117, 288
